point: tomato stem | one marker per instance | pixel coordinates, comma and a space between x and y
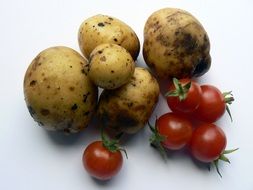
180, 90
111, 144
156, 139
223, 158
228, 98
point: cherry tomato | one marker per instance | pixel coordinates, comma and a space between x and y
176, 130
208, 142
184, 96
100, 162
212, 105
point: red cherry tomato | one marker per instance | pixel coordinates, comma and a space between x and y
184, 96
208, 142
176, 130
100, 162
212, 105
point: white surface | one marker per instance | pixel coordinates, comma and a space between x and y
32, 158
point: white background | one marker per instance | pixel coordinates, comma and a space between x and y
31, 158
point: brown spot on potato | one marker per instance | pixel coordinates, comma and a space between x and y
202, 66
74, 107
83, 71
163, 40
101, 24
33, 82
156, 26
167, 52
103, 58
100, 51
85, 97
110, 18
172, 16
115, 39
112, 71
86, 113
130, 104
125, 120
71, 88
44, 112
70, 66
187, 42
48, 86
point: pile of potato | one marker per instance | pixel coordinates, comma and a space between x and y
61, 86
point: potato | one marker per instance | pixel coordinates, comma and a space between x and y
176, 44
111, 66
100, 29
58, 93
128, 108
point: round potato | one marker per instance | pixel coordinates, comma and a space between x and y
176, 44
128, 108
58, 93
101, 29
111, 66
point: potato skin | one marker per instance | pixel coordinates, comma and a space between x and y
128, 108
176, 44
110, 66
57, 91
100, 29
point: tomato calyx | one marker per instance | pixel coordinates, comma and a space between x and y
228, 97
112, 144
156, 139
223, 158
180, 90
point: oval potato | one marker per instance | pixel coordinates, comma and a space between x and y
176, 44
128, 108
111, 66
100, 29
58, 93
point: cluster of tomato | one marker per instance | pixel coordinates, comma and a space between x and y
194, 109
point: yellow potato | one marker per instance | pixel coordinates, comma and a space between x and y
100, 29
111, 66
128, 108
58, 93
176, 44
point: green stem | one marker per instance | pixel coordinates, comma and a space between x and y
180, 90
156, 140
228, 98
111, 144
223, 158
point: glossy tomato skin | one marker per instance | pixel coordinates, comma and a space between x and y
100, 163
212, 105
176, 129
208, 142
191, 102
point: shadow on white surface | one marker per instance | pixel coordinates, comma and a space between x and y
88, 135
